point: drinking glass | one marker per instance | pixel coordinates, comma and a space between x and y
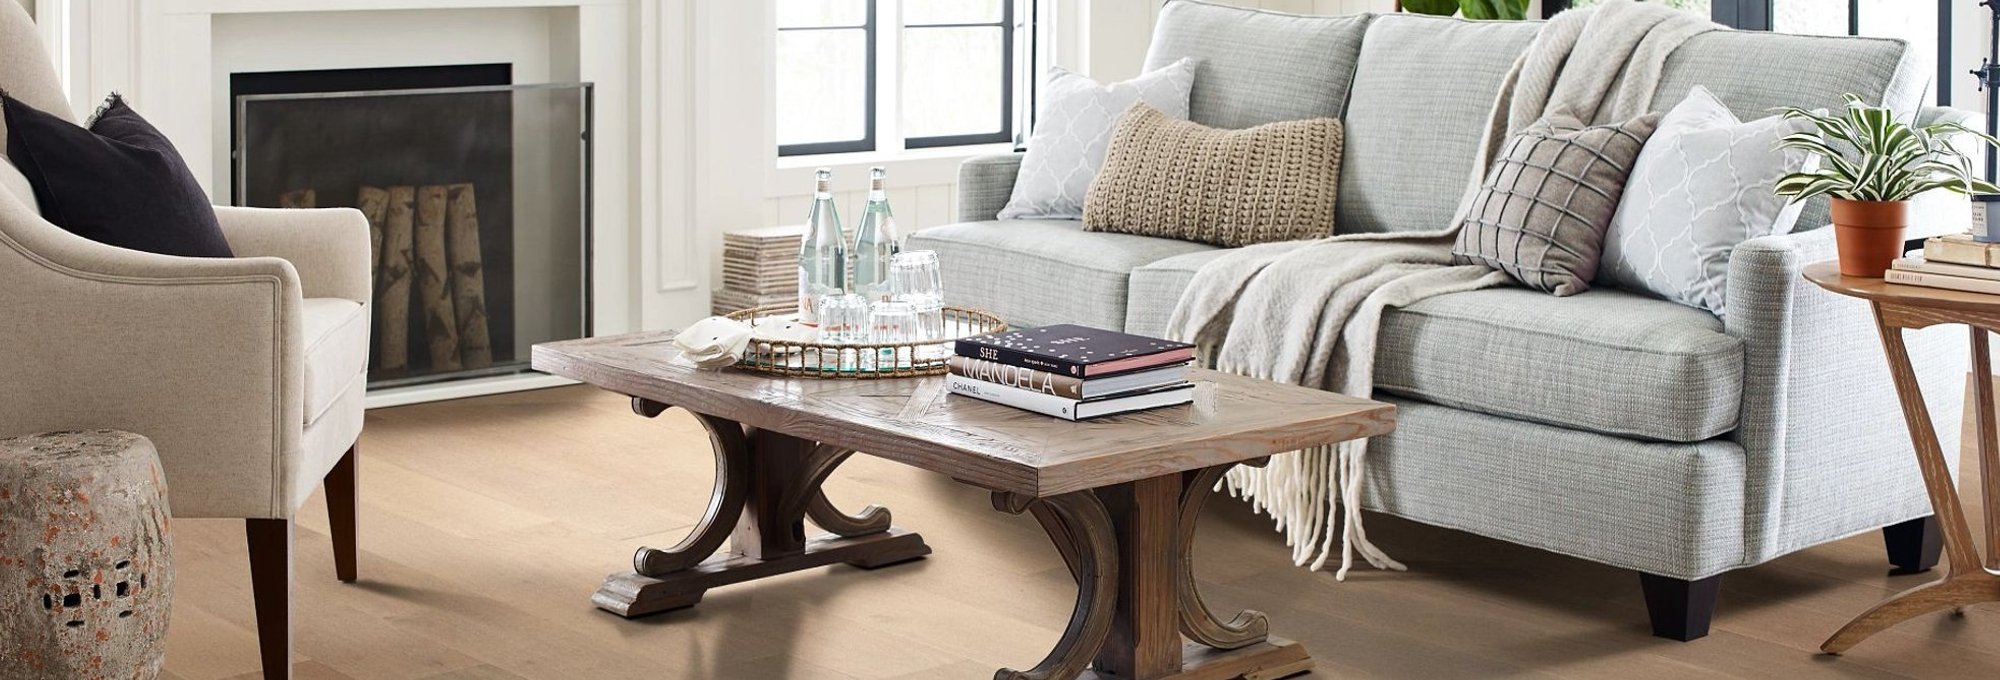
891, 323
916, 279
843, 318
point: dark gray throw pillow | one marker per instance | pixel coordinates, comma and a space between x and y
1542, 212
119, 183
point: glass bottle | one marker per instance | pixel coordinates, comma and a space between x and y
875, 241
823, 251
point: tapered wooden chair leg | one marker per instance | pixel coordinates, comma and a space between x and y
271, 587
342, 497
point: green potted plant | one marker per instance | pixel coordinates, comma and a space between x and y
1473, 9
1871, 165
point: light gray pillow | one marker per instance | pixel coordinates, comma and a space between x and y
1702, 185
1541, 214
1073, 128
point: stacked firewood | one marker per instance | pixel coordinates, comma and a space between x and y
426, 236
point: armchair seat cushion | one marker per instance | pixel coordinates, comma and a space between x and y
336, 342
1603, 361
1041, 272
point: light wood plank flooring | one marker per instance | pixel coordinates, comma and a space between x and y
487, 523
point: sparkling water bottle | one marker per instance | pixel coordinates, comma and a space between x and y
875, 241
823, 251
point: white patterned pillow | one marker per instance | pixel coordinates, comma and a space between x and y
1701, 186
1073, 128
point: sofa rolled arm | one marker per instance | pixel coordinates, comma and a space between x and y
1823, 437
329, 247
202, 355
984, 185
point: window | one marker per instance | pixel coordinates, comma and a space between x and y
1924, 25
887, 75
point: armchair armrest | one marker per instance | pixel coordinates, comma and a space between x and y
1826, 450
329, 247
984, 185
203, 355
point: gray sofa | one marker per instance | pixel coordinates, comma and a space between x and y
1609, 426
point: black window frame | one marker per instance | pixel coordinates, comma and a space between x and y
869, 26
1008, 47
1756, 15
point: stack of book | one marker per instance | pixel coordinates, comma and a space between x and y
1955, 262
760, 267
1072, 372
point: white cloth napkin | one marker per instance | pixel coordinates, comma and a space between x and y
714, 342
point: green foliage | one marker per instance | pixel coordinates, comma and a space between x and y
1443, 8
1493, 9
1891, 161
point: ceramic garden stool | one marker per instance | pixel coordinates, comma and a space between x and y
84, 574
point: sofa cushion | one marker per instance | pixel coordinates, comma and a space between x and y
1257, 67
1604, 361
1753, 71
1073, 127
1422, 89
336, 344
1041, 272
1155, 288
1181, 179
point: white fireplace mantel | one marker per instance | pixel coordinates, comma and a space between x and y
649, 267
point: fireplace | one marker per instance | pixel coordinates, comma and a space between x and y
475, 190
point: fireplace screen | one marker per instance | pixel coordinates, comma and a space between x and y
477, 204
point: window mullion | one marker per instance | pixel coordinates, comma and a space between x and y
888, 75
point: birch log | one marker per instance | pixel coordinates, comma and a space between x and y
374, 205
468, 277
433, 290
301, 198
392, 301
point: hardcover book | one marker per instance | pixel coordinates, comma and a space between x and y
1065, 386
1073, 350
1070, 409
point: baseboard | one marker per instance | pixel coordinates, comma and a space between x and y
460, 389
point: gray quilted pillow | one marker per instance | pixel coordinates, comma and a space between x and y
1073, 129
1542, 212
1702, 185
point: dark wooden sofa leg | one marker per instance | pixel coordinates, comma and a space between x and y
1680, 609
271, 587
341, 498
1914, 546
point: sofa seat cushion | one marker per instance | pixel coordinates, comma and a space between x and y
1603, 361
1041, 272
1157, 286
336, 344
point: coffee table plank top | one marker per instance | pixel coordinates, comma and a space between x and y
917, 422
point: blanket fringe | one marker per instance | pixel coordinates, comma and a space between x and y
1307, 493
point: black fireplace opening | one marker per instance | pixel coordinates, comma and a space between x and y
429, 157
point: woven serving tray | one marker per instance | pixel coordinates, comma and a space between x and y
858, 360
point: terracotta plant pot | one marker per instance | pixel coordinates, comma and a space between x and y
1869, 234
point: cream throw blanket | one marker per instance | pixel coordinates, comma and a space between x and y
1307, 312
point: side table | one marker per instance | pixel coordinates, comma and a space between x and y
1966, 579
85, 582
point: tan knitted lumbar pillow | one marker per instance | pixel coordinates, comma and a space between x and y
1177, 179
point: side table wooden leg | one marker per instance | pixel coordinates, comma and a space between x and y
1966, 581
1989, 441
765, 484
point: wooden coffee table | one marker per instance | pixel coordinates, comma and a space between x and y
1118, 496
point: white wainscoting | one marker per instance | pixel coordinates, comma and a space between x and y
916, 207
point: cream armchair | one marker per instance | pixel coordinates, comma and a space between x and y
247, 373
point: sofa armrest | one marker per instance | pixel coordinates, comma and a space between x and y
202, 355
1826, 450
984, 185
329, 247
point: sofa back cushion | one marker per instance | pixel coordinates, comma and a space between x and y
1422, 89
1754, 71
1257, 67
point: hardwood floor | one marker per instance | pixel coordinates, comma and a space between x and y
487, 523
